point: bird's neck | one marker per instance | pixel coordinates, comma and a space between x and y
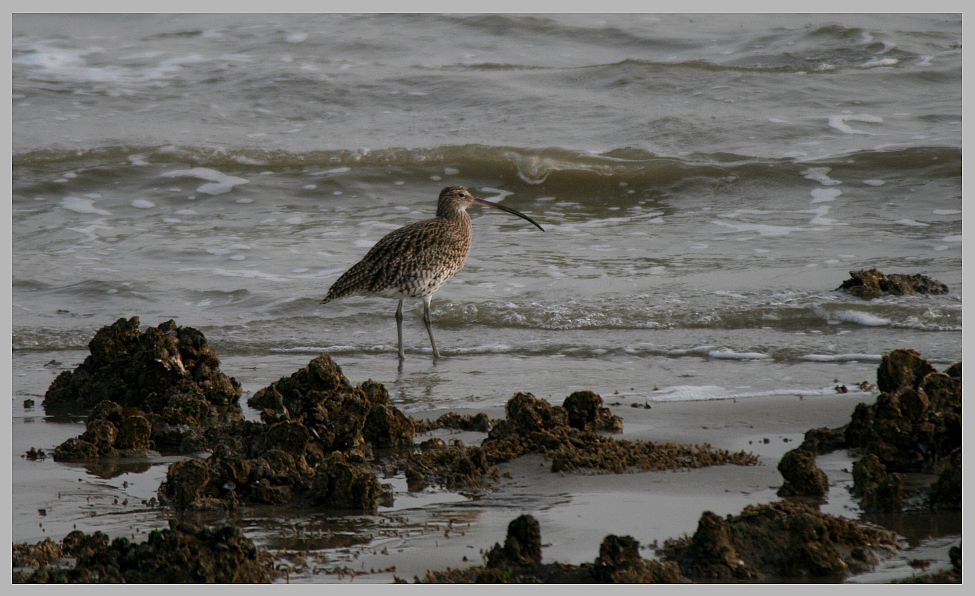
454, 214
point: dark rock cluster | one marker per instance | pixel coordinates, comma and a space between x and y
109, 432
181, 554
802, 476
778, 540
870, 283
312, 447
914, 427
567, 435
337, 414
522, 545
619, 562
320, 443
470, 422
916, 421
321, 440
519, 561
167, 375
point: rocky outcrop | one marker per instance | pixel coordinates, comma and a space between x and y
522, 545
778, 540
802, 476
168, 375
181, 554
108, 433
870, 283
915, 423
532, 425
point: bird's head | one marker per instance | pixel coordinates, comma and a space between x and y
457, 198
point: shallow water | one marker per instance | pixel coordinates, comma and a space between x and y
705, 183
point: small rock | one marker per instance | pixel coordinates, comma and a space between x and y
802, 476
586, 412
522, 546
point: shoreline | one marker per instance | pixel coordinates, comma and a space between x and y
436, 529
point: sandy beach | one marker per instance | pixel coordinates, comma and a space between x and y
435, 529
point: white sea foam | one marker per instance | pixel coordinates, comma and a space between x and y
699, 350
332, 171
841, 357
860, 318
90, 230
604, 221
820, 218
874, 182
143, 204
839, 123
729, 354
483, 349
228, 249
947, 212
880, 62
219, 183
715, 392
820, 175
761, 229
74, 66
86, 206
497, 196
717, 353
689, 393
911, 222
316, 349
822, 195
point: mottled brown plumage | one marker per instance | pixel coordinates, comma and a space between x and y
415, 260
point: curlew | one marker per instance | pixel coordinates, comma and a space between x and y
415, 260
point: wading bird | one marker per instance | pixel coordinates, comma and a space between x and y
415, 260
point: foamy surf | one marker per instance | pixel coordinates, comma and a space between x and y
680, 393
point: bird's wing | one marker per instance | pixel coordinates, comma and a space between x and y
400, 258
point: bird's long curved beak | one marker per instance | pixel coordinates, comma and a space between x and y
478, 201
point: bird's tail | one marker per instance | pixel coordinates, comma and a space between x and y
349, 283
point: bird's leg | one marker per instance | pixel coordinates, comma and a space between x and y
426, 321
399, 327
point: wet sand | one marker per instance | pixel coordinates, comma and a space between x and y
577, 510
437, 529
